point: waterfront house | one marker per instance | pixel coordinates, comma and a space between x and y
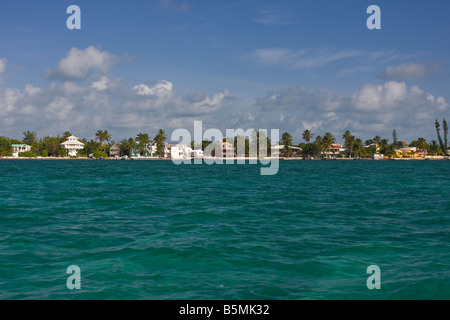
197, 154
410, 152
334, 150
72, 145
18, 148
114, 151
277, 150
168, 150
180, 152
225, 149
138, 151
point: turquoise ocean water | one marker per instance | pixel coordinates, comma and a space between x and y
154, 230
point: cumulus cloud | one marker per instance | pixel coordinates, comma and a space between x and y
79, 64
3, 62
378, 97
83, 108
163, 89
410, 71
370, 110
101, 84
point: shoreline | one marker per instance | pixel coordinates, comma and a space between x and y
220, 159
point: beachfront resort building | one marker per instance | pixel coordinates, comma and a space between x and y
18, 148
72, 145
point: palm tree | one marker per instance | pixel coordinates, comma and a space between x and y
307, 135
144, 142
159, 140
66, 135
435, 148
286, 140
438, 131
359, 147
126, 146
102, 136
317, 146
349, 142
444, 125
390, 150
327, 141
421, 144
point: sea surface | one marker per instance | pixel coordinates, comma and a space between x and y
155, 230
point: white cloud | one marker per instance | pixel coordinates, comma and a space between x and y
31, 90
163, 89
79, 64
84, 108
3, 62
410, 71
101, 84
369, 111
378, 97
8, 99
304, 58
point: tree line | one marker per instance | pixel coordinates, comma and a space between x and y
356, 148
312, 146
50, 146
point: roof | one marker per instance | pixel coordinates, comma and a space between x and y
72, 140
20, 145
281, 146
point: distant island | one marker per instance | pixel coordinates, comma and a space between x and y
142, 146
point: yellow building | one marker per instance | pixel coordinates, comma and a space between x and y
410, 152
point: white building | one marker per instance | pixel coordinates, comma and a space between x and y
72, 145
197, 154
148, 151
334, 150
18, 148
276, 150
180, 152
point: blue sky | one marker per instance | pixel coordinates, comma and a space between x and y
137, 66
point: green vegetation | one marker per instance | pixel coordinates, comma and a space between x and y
5, 147
159, 140
126, 146
143, 143
102, 137
28, 154
319, 148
